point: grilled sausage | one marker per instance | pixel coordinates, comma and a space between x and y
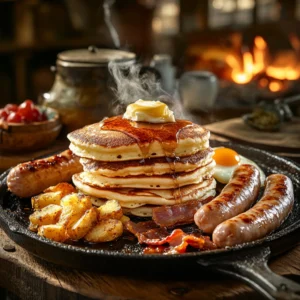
30, 178
264, 217
236, 197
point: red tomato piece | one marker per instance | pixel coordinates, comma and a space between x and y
36, 116
25, 110
27, 103
14, 117
11, 107
3, 114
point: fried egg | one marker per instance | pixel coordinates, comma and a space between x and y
227, 160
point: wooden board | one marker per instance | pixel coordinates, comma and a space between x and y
288, 138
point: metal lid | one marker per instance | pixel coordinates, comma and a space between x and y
93, 55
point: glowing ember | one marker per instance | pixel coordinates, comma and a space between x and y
276, 86
256, 62
264, 82
259, 52
282, 73
241, 77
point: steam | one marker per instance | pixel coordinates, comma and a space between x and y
133, 82
107, 18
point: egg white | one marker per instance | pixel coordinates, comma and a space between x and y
223, 173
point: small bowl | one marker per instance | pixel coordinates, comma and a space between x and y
17, 137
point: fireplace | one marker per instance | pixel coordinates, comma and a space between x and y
256, 56
249, 73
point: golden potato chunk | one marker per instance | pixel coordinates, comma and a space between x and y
74, 206
69, 216
48, 215
33, 227
42, 200
52, 195
77, 201
105, 231
85, 201
110, 210
96, 201
84, 224
53, 232
63, 187
124, 219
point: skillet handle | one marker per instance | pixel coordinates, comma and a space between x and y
252, 268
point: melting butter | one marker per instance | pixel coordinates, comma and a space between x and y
149, 111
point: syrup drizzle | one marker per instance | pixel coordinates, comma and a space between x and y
167, 134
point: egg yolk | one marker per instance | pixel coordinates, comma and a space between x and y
226, 157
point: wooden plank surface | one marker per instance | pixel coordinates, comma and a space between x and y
32, 278
287, 138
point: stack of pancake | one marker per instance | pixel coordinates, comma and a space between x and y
143, 165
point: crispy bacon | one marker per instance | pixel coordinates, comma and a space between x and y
199, 242
140, 227
147, 232
178, 242
160, 241
178, 214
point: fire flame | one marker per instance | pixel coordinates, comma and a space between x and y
252, 63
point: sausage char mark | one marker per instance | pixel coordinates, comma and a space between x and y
35, 165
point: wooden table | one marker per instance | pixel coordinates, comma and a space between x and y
31, 278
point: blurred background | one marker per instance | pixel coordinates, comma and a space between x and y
251, 45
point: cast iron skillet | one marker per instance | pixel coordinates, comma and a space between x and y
247, 262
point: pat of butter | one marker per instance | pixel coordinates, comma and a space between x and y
149, 111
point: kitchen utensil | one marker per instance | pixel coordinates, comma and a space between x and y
163, 64
198, 90
82, 89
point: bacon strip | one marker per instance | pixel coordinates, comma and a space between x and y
140, 227
178, 214
179, 241
147, 232
160, 241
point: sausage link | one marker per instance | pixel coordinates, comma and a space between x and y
236, 197
264, 217
32, 177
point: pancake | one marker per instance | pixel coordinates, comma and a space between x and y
166, 181
150, 166
132, 198
146, 210
143, 164
143, 211
118, 139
